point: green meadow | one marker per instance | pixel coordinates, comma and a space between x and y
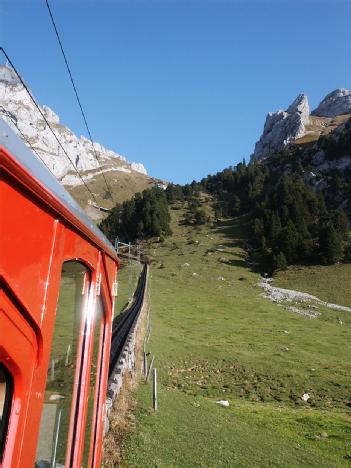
215, 337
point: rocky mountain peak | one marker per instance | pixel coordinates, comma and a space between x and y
300, 105
282, 127
50, 115
8, 76
336, 103
16, 105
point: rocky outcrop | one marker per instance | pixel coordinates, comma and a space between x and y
336, 103
282, 127
17, 108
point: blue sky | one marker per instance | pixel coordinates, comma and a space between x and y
182, 86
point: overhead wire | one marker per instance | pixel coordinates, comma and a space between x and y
77, 97
47, 123
8, 114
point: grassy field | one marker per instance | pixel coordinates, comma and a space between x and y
329, 283
215, 337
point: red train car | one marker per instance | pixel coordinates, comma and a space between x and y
57, 281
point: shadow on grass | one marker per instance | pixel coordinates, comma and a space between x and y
238, 263
235, 231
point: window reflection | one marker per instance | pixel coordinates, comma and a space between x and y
55, 419
94, 389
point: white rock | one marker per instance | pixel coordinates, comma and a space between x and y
195, 274
282, 127
138, 167
224, 403
56, 397
337, 102
305, 397
50, 115
20, 108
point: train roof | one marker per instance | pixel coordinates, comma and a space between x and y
32, 164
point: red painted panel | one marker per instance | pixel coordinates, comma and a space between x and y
18, 352
26, 240
34, 242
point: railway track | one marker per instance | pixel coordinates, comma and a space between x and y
124, 322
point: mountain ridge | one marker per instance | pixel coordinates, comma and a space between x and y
124, 177
298, 125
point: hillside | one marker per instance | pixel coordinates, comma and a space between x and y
216, 337
125, 178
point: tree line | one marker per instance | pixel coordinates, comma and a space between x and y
144, 216
289, 222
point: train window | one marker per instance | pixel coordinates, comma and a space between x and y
69, 328
6, 390
95, 381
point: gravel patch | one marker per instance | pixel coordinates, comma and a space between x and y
281, 295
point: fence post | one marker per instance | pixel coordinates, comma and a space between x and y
68, 355
150, 369
154, 390
145, 363
53, 369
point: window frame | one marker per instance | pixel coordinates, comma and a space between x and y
98, 379
6, 409
74, 412
78, 391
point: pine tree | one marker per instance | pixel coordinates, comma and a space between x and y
236, 206
330, 245
279, 261
288, 242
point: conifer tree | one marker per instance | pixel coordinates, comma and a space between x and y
330, 245
279, 261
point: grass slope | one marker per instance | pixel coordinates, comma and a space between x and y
123, 187
329, 283
215, 337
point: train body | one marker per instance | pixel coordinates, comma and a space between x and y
58, 278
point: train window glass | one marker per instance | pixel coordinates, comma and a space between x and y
95, 381
55, 419
6, 387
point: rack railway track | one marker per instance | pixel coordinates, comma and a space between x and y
123, 323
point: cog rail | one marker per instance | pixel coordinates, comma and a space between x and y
123, 323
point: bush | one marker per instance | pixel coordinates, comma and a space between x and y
200, 217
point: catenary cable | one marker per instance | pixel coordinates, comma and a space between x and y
8, 115
77, 97
47, 123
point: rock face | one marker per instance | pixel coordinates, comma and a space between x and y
282, 127
16, 106
336, 103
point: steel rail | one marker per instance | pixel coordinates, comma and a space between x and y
125, 321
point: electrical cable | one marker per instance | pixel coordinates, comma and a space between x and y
77, 97
47, 123
8, 114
